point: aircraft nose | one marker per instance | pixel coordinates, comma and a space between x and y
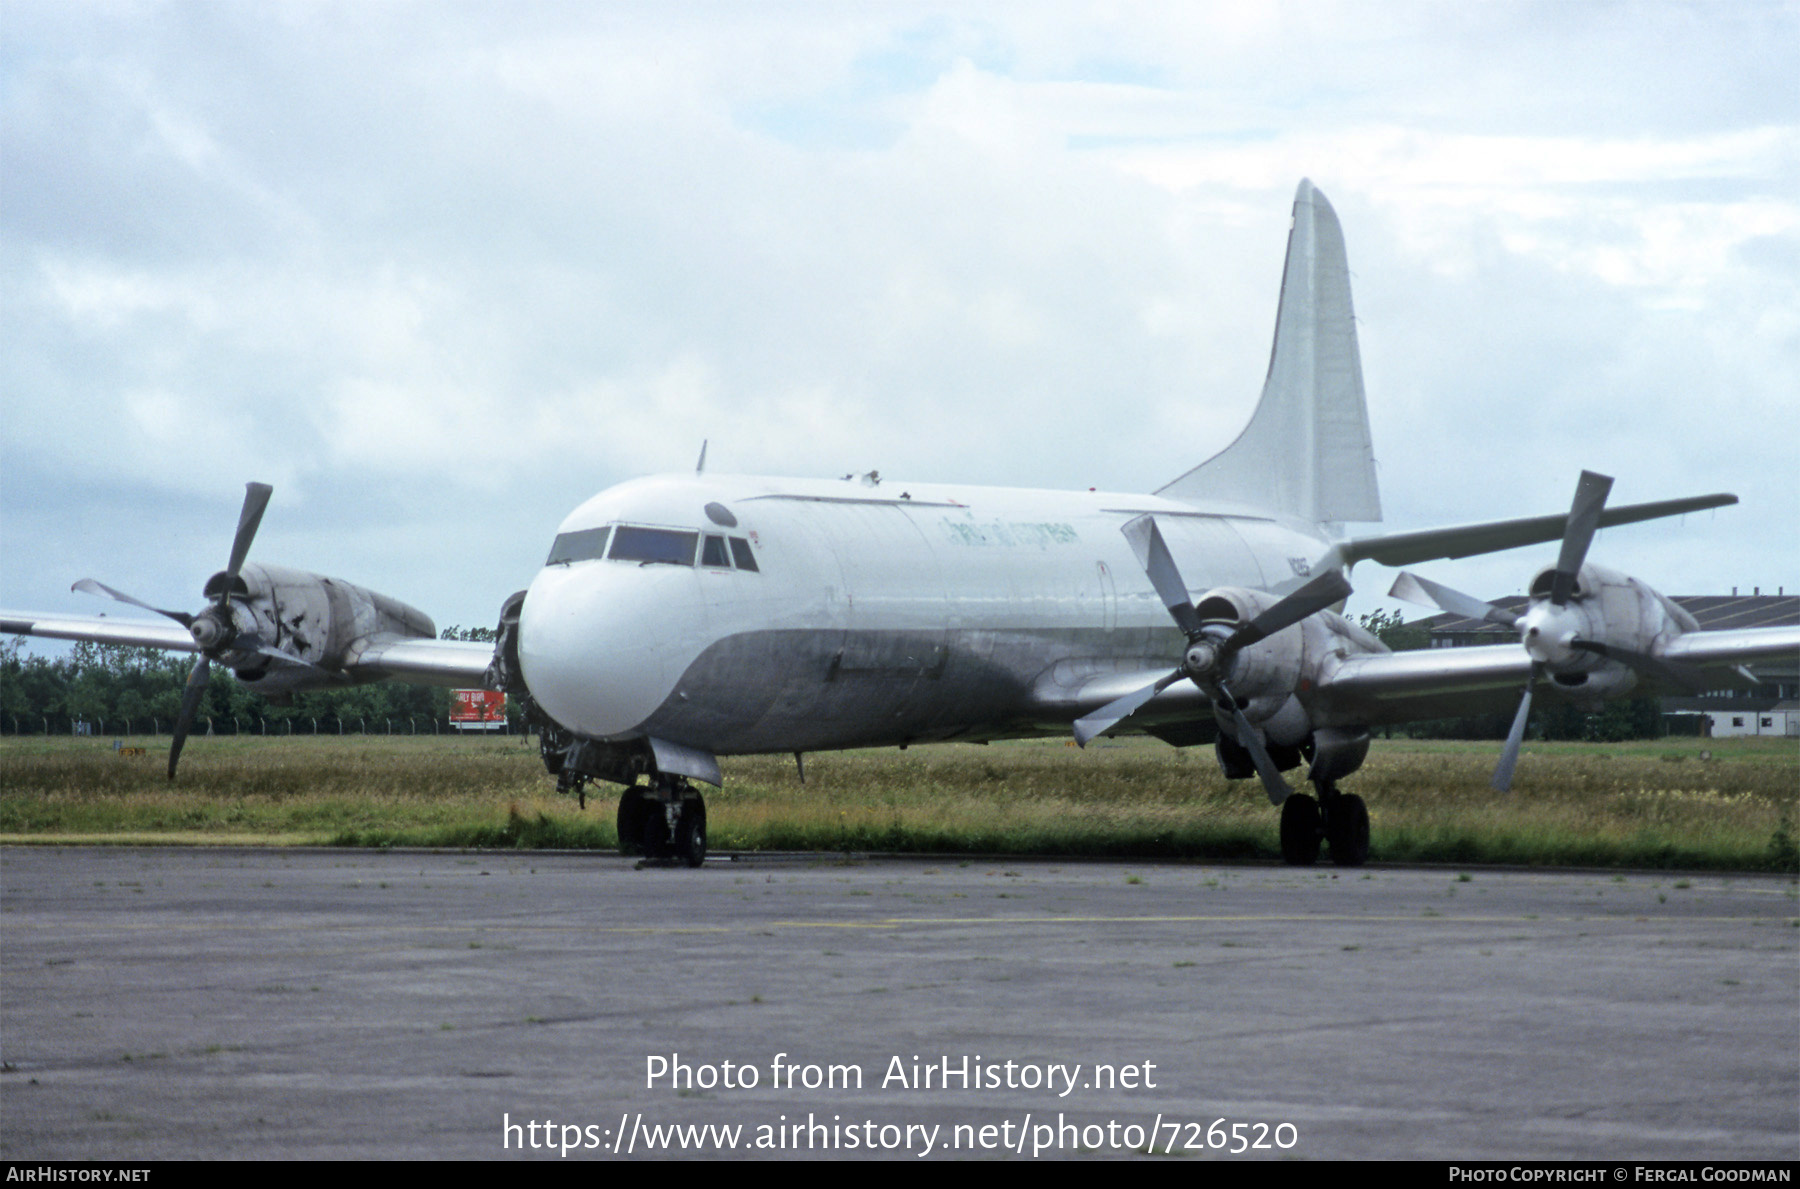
602, 644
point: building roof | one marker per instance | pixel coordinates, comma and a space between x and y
1713, 613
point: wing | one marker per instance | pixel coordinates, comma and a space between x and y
1394, 687
1721, 650
382, 657
1072, 689
459, 663
99, 629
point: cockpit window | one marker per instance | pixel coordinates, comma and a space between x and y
581, 545
667, 546
654, 545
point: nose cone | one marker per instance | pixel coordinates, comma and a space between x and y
603, 643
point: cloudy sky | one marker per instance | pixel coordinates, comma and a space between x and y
439, 271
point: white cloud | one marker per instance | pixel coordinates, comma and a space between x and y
390, 254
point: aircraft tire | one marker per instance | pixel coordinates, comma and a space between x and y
1348, 831
633, 809
1300, 830
690, 833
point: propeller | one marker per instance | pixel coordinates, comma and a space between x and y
1413, 589
89, 586
1509, 756
1211, 648
1539, 630
214, 628
1685, 676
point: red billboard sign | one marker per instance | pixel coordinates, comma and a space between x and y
477, 707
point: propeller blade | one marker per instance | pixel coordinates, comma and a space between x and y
1152, 554
1328, 588
256, 500
1685, 676
1273, 784
1509, 758
190, 702
1109, 715
1584, 519
1413, 589
251, 642
89, 586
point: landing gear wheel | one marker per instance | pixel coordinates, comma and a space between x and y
1300, 830
633, 809
1347, 830
690, 833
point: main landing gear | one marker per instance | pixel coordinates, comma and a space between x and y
1340, 820
664, 821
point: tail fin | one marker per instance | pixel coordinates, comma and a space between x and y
1306, 452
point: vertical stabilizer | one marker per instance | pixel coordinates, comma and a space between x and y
1306, 452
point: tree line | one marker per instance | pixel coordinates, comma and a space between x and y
109, 689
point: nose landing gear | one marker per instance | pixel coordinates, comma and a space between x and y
664, 821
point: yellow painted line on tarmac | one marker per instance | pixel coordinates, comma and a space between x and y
506, 927
172, 839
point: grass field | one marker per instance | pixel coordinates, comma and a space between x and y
1643, 805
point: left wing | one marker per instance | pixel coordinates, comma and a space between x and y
1731, 648
1448, 682
1378, 688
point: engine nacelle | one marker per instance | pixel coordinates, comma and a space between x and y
1263, 675
1606, 608
324, 622
1272, 677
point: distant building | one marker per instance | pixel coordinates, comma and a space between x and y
1770, 706
1783, 718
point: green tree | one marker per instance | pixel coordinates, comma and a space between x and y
1388, 627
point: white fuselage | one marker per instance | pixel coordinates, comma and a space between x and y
874, 614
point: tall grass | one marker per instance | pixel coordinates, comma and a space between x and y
1653, 805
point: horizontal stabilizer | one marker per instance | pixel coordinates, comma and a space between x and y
1467, 540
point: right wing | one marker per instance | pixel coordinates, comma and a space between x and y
415, 660
99, 629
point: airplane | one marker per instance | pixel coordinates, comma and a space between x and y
680, 618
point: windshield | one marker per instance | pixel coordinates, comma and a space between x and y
654, 545
665, 546
581, 545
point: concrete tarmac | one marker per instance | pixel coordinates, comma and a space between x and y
188, 1003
